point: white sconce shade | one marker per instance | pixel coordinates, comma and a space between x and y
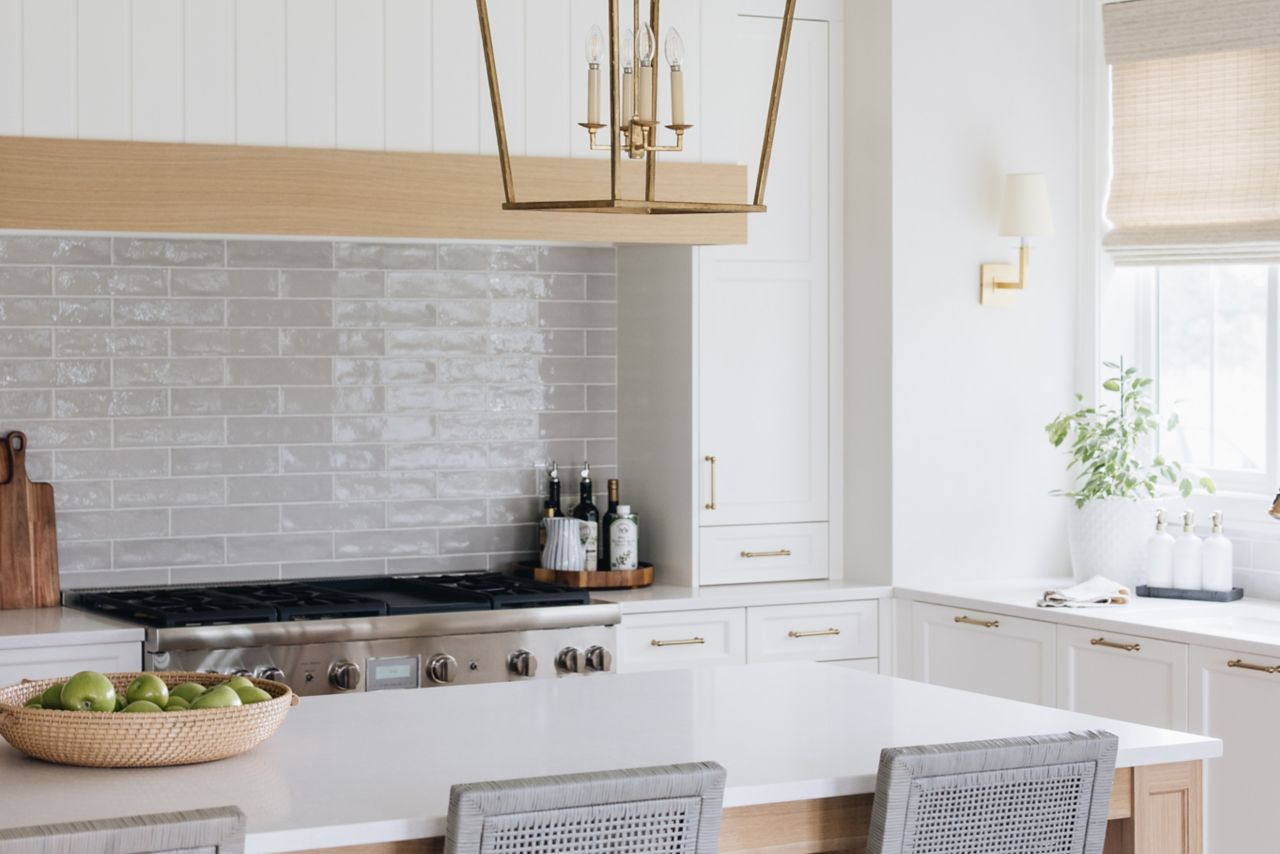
1025, 212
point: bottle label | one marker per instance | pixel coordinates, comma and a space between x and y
590, 542
624, 536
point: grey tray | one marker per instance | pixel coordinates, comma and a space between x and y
1200, 595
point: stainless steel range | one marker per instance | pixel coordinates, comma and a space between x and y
370, 634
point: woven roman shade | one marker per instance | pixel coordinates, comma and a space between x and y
1195, 87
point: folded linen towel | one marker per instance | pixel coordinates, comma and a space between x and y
1095, 592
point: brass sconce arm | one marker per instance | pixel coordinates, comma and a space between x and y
1000, 280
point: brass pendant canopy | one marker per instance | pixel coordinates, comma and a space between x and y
633, 135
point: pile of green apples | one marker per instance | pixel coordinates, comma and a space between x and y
90, 691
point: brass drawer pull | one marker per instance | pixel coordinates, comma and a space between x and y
821, 633
986, 624
778, 553
711, 505
1127, 647
683, 642
1261, 668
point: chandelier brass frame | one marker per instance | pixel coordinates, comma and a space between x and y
640, 137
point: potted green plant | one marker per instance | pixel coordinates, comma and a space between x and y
1119, 478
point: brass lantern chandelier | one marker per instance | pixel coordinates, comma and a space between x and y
632, 124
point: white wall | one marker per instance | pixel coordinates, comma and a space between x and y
395, 74
980, 89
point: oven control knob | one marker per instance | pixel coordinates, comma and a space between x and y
275, 674
599, 659
344, 675
523, 663
442, 669
570, 660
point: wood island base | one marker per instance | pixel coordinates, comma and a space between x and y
1155, 809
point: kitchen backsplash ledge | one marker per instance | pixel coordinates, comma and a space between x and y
228, 410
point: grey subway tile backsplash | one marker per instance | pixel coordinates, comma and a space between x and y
254, 409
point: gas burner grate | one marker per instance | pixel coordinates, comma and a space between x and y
309, 602
175, 607
503, 591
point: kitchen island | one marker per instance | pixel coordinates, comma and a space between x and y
801, 743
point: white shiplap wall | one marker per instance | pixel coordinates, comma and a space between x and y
394, 74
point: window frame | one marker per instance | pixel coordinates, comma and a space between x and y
1148, 346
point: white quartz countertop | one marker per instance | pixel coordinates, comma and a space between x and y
28, 628
377, 767
1247, 625
671, 597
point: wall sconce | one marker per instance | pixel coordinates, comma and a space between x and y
1024, 213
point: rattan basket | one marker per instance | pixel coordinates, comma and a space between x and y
117, 740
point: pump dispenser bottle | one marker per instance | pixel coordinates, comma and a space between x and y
1217, 558
1159, 563
1187, 573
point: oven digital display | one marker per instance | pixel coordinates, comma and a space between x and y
389, 673
393, 671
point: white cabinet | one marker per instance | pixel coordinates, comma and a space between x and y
725, 353
1236, 697
986, 653
826, 631
52, 661
1122, 676
680, 639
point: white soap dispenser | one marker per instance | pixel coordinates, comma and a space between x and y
1187, 573
1217, 558
1159, 564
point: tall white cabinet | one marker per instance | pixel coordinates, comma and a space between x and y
727, 354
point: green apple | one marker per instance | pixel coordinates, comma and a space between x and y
238, 682
142, 706
176, 704
88, 691
187, 691
149, 687
220, 697
252, 694
121, 702
52, 697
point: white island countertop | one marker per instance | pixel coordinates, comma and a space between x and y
376, 767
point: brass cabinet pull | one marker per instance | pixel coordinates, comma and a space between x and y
986, 624
778, 553
683, 642
1127, 647
711, 505
818, 634
1261, 668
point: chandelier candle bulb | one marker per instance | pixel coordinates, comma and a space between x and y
675, 58
628, 81
644, 53
595, 52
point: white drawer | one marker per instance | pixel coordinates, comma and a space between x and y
825, 631
680, 639
747, 554
55, 661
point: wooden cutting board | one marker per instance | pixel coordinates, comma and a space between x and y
28, 535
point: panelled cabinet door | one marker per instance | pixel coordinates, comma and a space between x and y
763, 307
55, 661
1240, 705
987, 653
1124, 677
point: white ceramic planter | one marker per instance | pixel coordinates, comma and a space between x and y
1109, 538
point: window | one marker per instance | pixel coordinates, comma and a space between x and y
1207, 335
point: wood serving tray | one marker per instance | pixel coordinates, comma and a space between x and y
607, 579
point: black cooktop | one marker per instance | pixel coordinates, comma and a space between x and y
170, 607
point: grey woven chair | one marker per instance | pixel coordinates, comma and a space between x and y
209, 831
1043, 794
671, 809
